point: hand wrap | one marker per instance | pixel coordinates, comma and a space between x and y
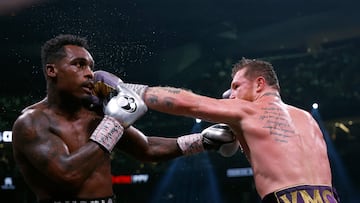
190, 144
107, 133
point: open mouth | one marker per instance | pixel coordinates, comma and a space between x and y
88, 87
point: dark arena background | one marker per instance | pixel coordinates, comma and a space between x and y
313, 45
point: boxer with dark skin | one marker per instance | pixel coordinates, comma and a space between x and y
51, 138
53, 142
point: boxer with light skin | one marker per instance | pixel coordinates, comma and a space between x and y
284, 144
62, 144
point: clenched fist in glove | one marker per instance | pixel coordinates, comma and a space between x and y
105, 84
122, 107
126, 107
217, 137
121, 103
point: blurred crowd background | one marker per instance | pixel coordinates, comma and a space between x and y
313, 45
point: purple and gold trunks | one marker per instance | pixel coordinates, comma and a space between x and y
303, 194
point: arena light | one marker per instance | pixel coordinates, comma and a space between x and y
197, 126
239, 172
342, 127
315, 106
8, 184
6, 136
130, 179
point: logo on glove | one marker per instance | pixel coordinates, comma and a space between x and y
130, 104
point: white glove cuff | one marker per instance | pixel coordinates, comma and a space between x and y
107, 133
191, 144
137, 88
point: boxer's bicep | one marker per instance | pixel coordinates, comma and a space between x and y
34, 144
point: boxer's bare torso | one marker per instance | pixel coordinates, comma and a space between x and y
54, 147
284, 145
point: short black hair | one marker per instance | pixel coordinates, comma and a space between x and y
53, 49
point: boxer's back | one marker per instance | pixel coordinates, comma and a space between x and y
286, 147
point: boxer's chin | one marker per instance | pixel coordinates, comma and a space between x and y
91, 101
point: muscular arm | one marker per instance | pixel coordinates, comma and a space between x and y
185, 103
148, 148
177, 101
39, 150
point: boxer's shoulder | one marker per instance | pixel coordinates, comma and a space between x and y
41, 105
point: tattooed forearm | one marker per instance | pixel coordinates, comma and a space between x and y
152, 99
172, 90
164, 98
169, 102
166, 102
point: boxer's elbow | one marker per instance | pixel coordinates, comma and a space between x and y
68, 176
69, 181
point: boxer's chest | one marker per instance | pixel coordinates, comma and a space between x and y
76, 132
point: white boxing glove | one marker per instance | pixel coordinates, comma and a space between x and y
226, 94
217, 137
221, 138
122, 107
126, 106
105, 84
139, 89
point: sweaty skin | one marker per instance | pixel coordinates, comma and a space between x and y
51, 138
283, 144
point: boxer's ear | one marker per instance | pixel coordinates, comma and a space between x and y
260, 83
50, 70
